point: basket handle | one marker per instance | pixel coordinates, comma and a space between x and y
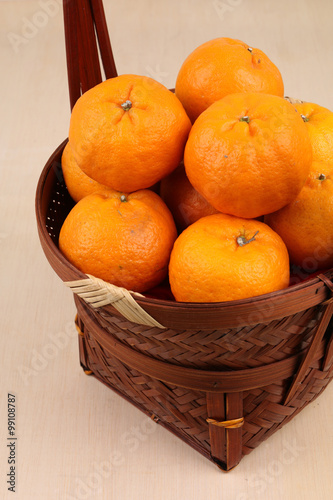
86, 37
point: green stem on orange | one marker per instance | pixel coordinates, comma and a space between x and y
242, 240
126, 105
123, 198
245, 119
321, 177
305, 118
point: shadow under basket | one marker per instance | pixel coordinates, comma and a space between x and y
222, 377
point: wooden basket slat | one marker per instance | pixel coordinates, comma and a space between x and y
102, 33
72, 51
90, 71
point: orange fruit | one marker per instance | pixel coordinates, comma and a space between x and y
125, 239
248, 154
184, 202
224, 66
77, 182
319, 122
306, 224
128, 132
221, 258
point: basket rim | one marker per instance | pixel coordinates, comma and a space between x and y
67, 272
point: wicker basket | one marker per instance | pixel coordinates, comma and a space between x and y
221, 376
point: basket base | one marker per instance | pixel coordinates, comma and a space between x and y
90, 368
154, 417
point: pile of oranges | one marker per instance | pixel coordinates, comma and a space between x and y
219, 188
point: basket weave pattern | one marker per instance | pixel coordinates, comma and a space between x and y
184, 411
236, 348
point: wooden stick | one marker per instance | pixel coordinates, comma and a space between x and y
90, 71
225, 440
328, 359
103, 38
72, 50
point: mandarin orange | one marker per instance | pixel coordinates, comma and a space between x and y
319, 122
128, 132
184, 202
125, 239
222, 258
306, 224
224, 66
248, 154
77, 182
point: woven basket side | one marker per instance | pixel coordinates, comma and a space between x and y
184, 411
236, 348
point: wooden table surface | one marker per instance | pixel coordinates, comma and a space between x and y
75, 438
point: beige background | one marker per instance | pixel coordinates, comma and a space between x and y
76, 439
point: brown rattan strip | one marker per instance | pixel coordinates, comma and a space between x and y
197, 438
81, 48
81, 17
311, 351
90, 70
225, 441
72, 50
328, 359
103, 38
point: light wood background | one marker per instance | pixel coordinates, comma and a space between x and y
76, 439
